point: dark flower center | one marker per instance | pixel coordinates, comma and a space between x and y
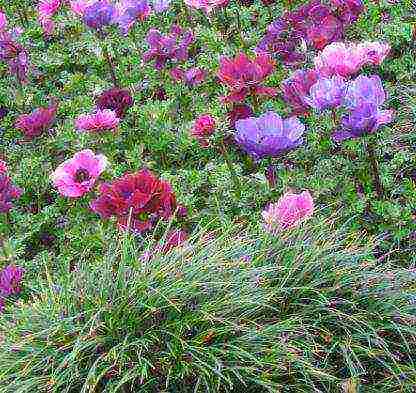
81, 175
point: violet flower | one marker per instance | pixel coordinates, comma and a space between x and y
268, 135
191, 77
172, 47
99, 15
8, 193
130, 11
10, 280
326, 93
15, 55
364, 89
36, 123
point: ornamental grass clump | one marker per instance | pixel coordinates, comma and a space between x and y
243, 310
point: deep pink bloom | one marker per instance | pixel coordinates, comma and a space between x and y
37, 122
239, 112
296, 88
8, 193
203, 128
76, 176
15, 55
100, 121
10, 280
79, 6
288, 212
116, 99
245, 77
192, 77
46, 10
3, 20
3, 167
206, 5
374, 52
137, 200
340, 59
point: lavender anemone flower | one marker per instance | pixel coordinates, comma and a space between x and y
100, 14
326, 93
131, 11
268, 135
364, 119
172, 47
297, 87
160, 6
364, 89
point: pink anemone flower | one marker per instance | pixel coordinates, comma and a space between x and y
289, 211
76, 176
100, 121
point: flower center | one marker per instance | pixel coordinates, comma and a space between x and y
81, 175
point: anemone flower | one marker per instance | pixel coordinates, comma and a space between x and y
244, 76
46, 10
191, 77
268, 135
77, 176
116, 99
8, 193
36, 123
10, 280
131, 11
364, 89
203, 128
374, 52
327, 93
100, 14
98, 122
289, 211
239, 112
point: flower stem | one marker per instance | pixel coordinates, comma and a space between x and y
236, 181
374, 168
109, 62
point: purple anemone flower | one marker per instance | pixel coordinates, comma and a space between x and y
102, 13
192, 77
172, 47
130, 12
10, 280
161, 5
326, 93
364, 89
8, 193
268, 135
15, 55
364, 119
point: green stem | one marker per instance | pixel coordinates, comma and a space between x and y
374, 168
236, 181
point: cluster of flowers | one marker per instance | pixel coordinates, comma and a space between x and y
8, 191
317, 23
10, 281
327, 86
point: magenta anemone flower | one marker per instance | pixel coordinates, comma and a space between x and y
238, 112
289, 211
172, 47
10, 280
137, 200
79, 6
348, 10
46, 10
98, 122
174, 238
326, 93
244, 77
192, 77
3, 167
203, 128
37, 122
296, 88
116, 99
8, 193
339, 59
76, 176
3, 20
268, 135
131, 11
206, 5
15, 55
374, 52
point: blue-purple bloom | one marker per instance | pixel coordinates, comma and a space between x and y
327, 93
268, 135
172, 47
363, 99
132, 10
102, 13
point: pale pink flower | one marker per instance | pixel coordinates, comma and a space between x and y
374, 52
3, 21
76, 176
289, 211
339, 59
3, 167
79, 6
206, 5
101, 120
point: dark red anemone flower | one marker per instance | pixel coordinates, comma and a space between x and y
137, 200
116, 99
244, 77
